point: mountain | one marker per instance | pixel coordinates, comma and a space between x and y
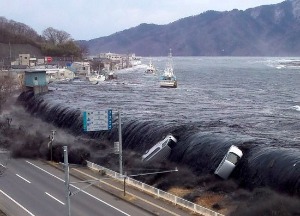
270, 30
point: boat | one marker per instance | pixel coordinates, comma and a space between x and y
168, 79
135, 61
150, 68
96, 78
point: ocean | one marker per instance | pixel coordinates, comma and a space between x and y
250, 102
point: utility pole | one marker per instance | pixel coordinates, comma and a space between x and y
120, 144
125, 184
52, 139
9, 56
67, 181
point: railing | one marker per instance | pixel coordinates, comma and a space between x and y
156, 192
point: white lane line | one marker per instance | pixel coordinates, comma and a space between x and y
17, 203
23, 178
96, 198
55, 198
137, 197
2, 165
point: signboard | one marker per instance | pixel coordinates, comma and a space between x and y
97, 120
116, 147
48, 59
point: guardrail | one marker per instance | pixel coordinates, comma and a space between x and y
156, 192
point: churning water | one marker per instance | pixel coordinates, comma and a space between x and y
252, 103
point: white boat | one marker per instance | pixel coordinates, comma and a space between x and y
135, 61
168, 79
150, 68
96, 78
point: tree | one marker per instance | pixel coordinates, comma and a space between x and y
55, 36
7, 86
84, 49
15, 32
69, 48
63, 37
97, 65
59, 43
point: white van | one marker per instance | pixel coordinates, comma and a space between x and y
161, 150
229, 162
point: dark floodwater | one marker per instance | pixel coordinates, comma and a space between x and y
253, 103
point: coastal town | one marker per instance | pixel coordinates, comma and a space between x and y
107, 109
95, 68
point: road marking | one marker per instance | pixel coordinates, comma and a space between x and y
17, 203
23, 178
55, 198
137, 197
96, 198
2, 165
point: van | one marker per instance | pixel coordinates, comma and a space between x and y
161, 150
229, 162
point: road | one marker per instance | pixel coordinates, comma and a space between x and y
32, 187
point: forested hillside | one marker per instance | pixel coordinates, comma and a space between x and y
17, 38
270, 30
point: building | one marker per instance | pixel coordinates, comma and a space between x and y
24, 59
36, 81
81, 68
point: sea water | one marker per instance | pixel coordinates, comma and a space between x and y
251, 102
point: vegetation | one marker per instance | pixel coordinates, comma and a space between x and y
52, 42
7, 86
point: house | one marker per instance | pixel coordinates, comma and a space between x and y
24, 59
36, 80
59, 74
81, 68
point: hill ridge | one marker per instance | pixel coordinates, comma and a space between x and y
269, 30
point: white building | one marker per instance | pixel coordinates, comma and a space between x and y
81, 68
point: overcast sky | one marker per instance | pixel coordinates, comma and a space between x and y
89, 19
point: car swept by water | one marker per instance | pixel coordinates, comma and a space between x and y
161, 150
229, 162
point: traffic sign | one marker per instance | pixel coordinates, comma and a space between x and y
116, 147
48, 59
97, 120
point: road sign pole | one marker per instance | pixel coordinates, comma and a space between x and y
120, 144
67, 181
52, 139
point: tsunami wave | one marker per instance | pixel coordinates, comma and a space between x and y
262, 165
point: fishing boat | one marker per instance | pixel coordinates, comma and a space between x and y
95, 78
150, 68
168, 79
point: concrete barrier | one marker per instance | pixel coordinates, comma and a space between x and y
156, 192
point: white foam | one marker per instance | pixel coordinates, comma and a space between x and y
297, 108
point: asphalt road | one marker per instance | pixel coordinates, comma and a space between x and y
29, 187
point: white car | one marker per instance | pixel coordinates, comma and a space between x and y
161, 150
229, 162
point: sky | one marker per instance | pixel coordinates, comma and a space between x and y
90, 19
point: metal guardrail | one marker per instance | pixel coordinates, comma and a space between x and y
156, 192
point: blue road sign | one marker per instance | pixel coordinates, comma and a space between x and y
97, 120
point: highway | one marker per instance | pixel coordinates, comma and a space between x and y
32, 187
